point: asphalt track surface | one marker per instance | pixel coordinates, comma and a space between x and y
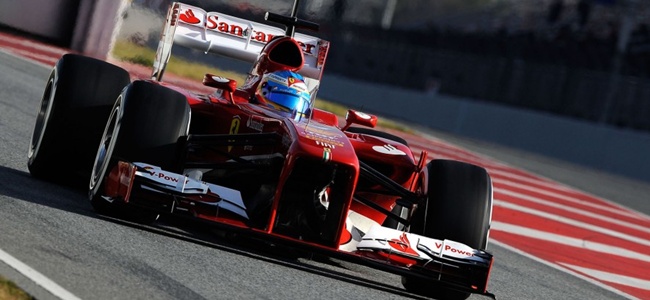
54, 230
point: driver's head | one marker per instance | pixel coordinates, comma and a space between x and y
284, 91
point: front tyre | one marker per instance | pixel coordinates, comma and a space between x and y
74, 107
144, 126
460, 194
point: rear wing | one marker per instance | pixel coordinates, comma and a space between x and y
214, 32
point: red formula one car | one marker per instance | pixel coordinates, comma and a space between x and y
260, 158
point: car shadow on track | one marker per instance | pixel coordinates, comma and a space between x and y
20, 185
273, 253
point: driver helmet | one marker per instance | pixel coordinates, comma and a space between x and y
284, 91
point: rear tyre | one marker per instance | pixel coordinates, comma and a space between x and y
76, 102
460, 194
144, 126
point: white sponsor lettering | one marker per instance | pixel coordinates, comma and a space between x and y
326, 145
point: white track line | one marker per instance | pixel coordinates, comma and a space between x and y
37, 277
617, 210
568, 241
576, 210
504, 173
610, 277
509, 176
572, 222
563, 269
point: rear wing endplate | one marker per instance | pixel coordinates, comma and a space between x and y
214, 32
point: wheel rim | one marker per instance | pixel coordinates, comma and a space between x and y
105, 149
42, 118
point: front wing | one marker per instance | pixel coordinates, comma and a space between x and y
452, 263
447, 262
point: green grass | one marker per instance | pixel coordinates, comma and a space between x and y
140, 55
10, 291
144, 56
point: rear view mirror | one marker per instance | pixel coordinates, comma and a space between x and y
360, 118
220, 82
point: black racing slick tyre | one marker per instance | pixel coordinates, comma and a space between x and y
144, 126
76, 102
459, 208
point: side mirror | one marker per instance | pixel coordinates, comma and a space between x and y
357, 117
229, 85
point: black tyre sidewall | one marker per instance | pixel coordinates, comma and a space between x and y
81, 91
149, 120
459, 208
154, 118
